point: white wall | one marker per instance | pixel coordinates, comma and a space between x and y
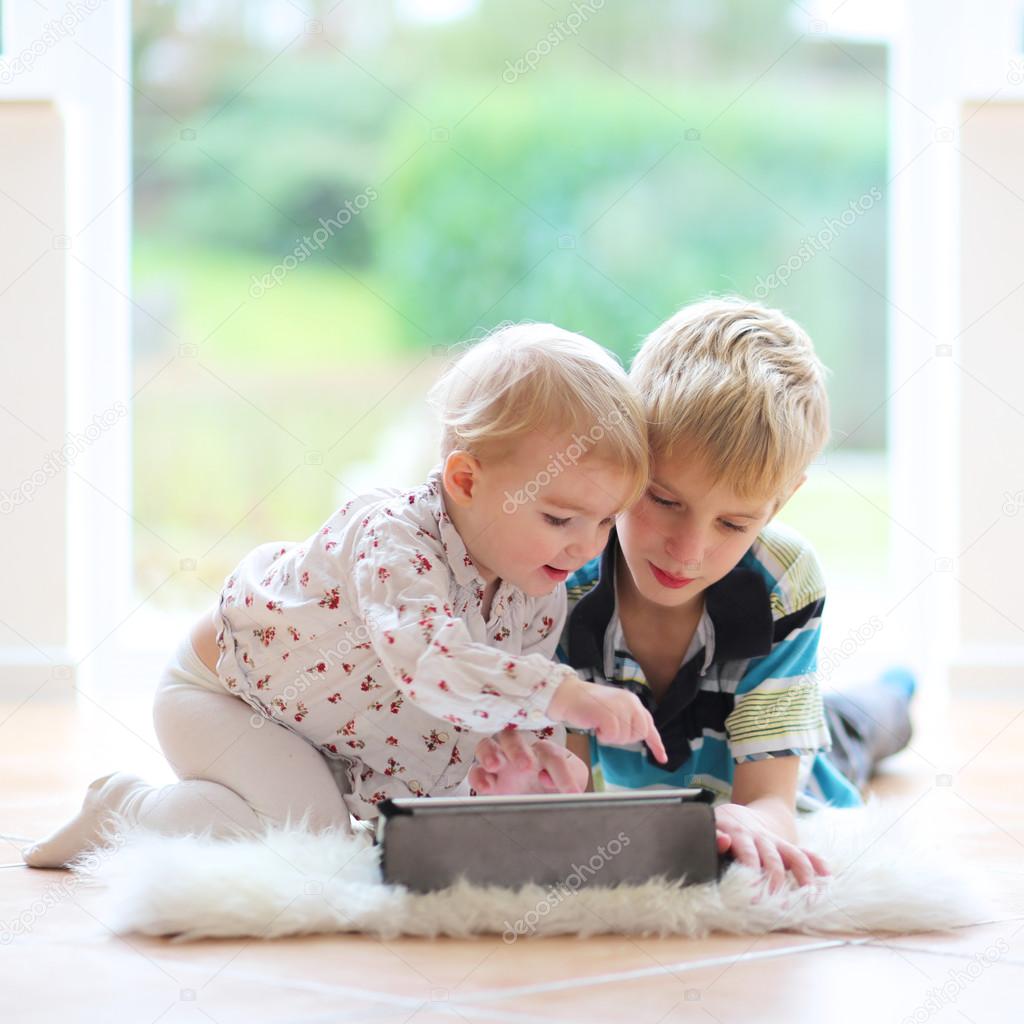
65, 153
33, 494
956, 430
989, 352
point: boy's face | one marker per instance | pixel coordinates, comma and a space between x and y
687, 532
533, 516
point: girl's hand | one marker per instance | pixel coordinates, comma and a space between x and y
616, 715
741, 832
511, 762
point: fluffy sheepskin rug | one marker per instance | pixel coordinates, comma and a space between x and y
887, 876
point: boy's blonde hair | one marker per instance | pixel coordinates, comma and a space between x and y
739, 388
526, 377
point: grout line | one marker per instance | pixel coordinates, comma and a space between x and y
1013, 961
460, 1012
650, 972
983, 924
491, 995
318, 987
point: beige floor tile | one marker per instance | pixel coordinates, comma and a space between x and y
1002, 941
68, 966
104, 983
460, 969
43, 906
842, 985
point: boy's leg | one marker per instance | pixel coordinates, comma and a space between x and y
869, 721
236, 777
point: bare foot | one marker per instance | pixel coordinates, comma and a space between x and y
103, 798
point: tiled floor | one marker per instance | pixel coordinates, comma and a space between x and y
61, 963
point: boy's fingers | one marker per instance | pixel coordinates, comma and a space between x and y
744, 851
797, 862
773, 866
819, 864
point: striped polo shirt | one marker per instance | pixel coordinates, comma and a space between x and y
746, 689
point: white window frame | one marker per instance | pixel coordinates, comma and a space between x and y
85, 75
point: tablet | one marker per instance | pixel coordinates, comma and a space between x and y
553, 839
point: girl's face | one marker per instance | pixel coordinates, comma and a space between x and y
534, 517
686, 533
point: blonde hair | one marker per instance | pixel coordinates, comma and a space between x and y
526, 377
739, 388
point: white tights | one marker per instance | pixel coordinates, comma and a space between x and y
239, 772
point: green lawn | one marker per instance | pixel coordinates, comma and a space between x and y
843, 510
312, 366
314, 360
318, 318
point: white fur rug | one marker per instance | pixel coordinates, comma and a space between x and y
888, 875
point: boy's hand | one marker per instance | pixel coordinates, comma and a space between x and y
616, 716
741, 832
508, 763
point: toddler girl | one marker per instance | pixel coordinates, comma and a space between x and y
369, 660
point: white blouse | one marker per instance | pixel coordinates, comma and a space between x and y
368, 639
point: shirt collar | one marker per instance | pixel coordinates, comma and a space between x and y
461, 564
736, 623
737, 616
589, 620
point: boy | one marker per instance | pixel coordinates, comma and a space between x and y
711, 613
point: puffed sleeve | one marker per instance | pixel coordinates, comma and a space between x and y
541, 636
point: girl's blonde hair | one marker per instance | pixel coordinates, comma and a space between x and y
737, 387
530, 377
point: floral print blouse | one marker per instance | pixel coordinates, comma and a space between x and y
369, 640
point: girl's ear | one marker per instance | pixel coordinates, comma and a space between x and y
461, 476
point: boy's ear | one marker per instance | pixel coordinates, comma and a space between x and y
460, 477
785, 497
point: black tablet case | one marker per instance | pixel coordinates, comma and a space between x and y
576, 840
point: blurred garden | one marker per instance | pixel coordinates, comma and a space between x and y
328, 197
